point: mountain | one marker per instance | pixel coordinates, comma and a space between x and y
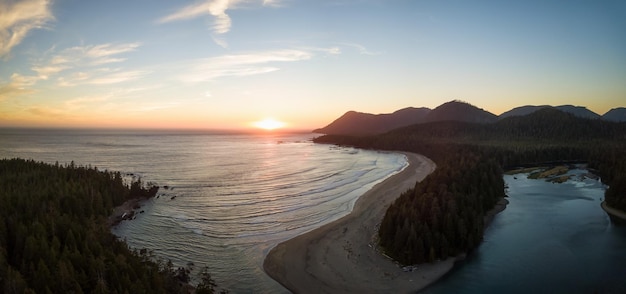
522, 110
579, 111
551, 123
616, 115
546, 124
358, 123
460, 111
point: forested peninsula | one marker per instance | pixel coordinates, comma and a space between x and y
444, 215
54, 237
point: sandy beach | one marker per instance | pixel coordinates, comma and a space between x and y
341, 257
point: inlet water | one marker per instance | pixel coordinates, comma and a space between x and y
551, 238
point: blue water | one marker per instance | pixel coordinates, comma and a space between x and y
236, 195
551, 238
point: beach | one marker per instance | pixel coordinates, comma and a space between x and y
342, 256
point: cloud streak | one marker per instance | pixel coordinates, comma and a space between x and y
216, 8
239, 65
19, 18
94, 54
74, 66
118, 77
17, 86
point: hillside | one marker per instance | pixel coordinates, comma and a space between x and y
358, 123
460, 111
615, 115
579, 111
362, 124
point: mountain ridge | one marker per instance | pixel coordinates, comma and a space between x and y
359, 123
579, 111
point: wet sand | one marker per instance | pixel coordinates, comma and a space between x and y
341, 257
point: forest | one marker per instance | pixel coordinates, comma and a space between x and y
443, 215
54, 237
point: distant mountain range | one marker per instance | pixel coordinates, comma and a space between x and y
358, 123
579, 111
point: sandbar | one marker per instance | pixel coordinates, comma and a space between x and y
342, 256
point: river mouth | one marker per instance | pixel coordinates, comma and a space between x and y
552, 238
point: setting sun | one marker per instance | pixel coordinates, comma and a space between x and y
269, 124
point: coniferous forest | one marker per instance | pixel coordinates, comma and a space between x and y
54, 236
443, 215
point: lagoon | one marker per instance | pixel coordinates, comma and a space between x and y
551, 238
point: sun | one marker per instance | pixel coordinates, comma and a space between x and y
269, 124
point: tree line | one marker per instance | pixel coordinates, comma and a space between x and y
54, 237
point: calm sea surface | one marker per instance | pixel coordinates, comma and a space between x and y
231, 197
551, 238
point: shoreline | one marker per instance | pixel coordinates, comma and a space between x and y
126, 211
342, 256
617, 216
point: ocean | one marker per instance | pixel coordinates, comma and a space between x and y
230, 197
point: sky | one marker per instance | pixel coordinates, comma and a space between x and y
219, 64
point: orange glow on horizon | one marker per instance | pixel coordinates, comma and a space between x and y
269, 124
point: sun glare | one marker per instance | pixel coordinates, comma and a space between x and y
269, 124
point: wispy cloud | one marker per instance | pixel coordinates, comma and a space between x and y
217, 9
94, 54
273, 3
118, 95
43, 72
17, 86
74, 66
47, 112
118, 77
362, 49
19, 18
242, 64
73, 79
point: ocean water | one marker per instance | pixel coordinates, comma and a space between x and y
230, 197
551, 238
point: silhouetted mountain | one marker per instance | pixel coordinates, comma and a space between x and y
460, 111
579, 111
553, 123
522, 110
616, 115
358, 123
545, 124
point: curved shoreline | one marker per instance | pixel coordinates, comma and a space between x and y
616, 215
341, 256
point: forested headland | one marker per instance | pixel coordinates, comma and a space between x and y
54, 237
443, 215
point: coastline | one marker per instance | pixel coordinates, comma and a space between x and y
126, 211
616, 215
341, 256
491, 214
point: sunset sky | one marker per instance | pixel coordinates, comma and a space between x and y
226, 64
